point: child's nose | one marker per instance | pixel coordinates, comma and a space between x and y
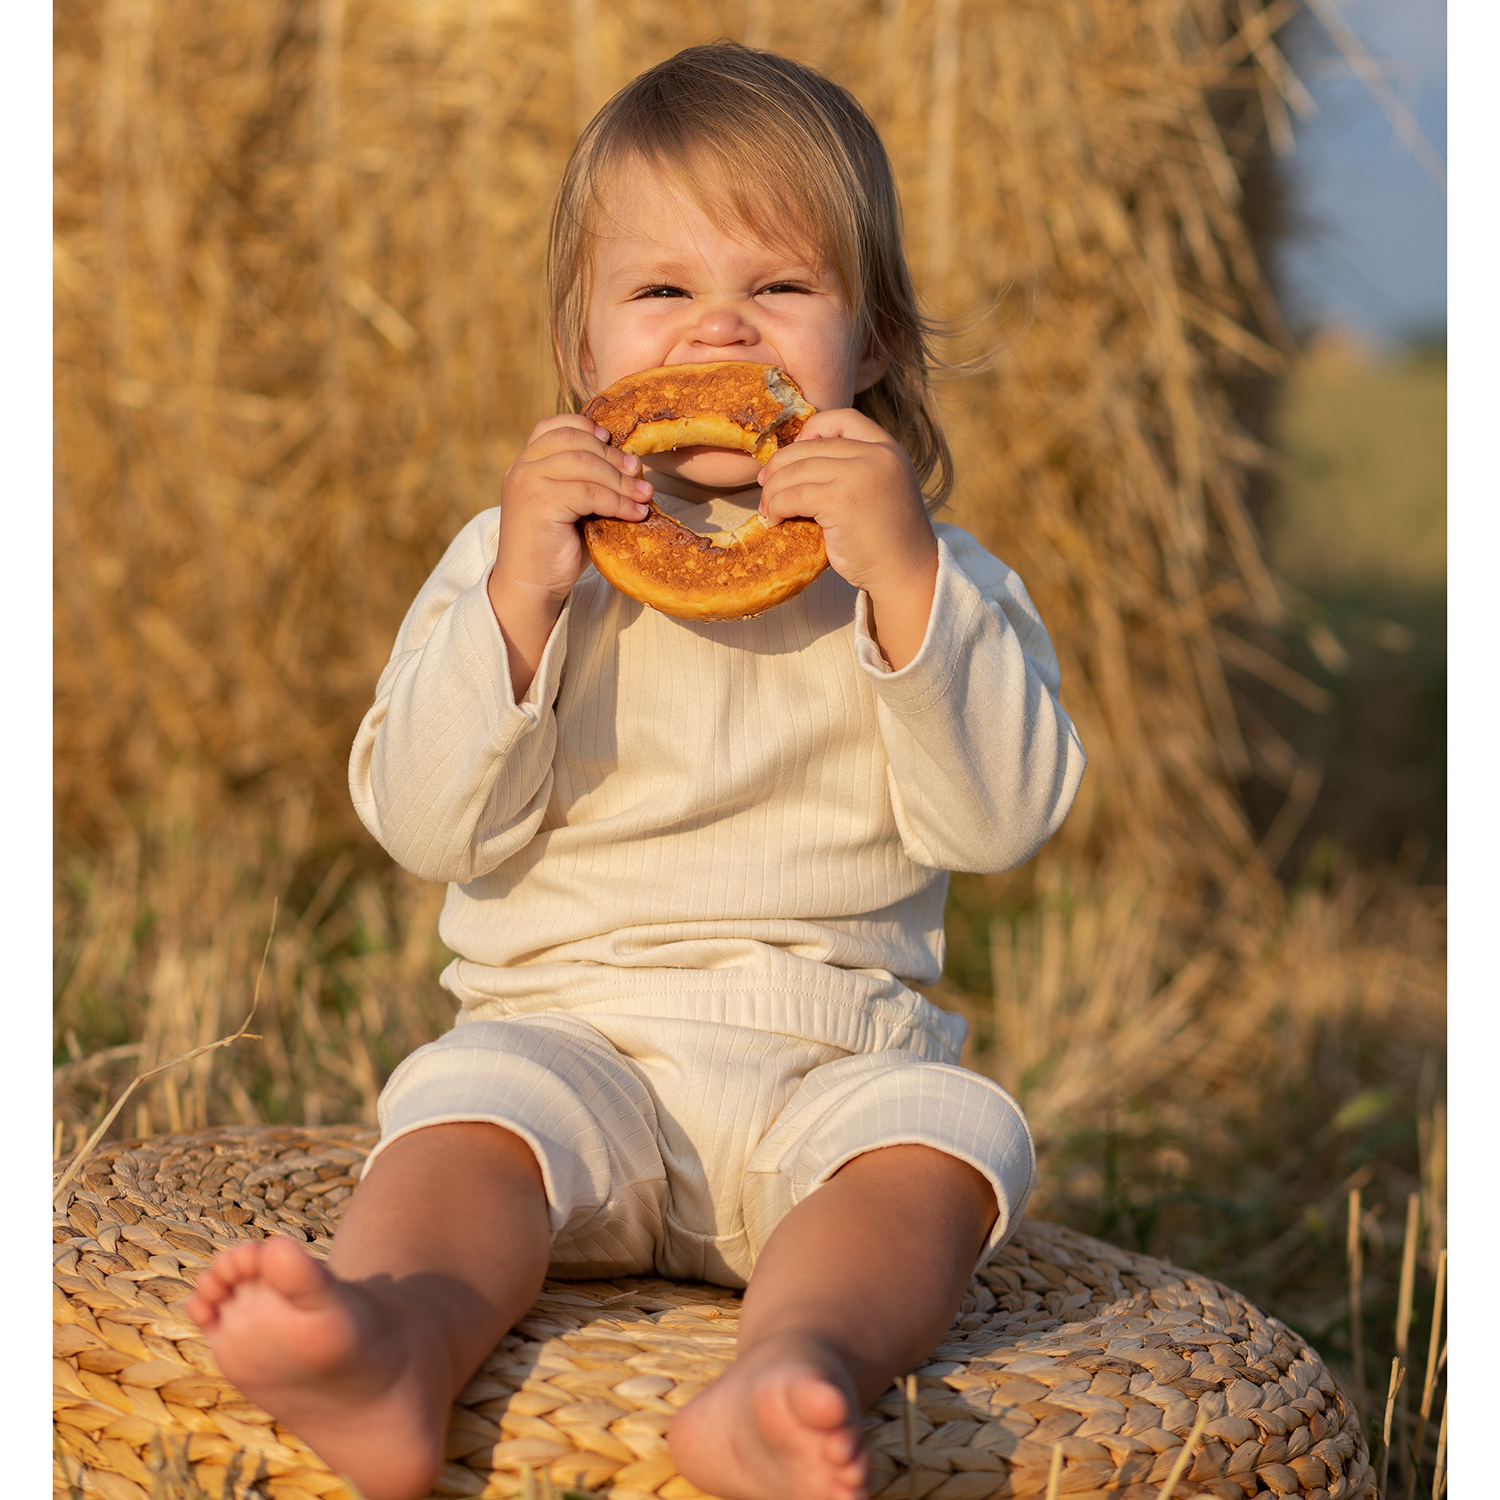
723, 327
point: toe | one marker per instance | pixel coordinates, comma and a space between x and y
839, 1449
817, 1402
847, 1480
210, 1286
288, 1268
215, 1284
202, 1310
230, 1267
857, 1470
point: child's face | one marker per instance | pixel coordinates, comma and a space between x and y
669, 288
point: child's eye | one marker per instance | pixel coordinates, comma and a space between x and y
661, 291
783, 286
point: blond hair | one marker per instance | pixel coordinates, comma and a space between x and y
734, 126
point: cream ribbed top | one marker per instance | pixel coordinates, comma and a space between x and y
749, 821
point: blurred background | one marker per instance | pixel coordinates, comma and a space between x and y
299, 252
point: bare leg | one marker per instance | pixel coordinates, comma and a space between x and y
857, 1284
444, 1245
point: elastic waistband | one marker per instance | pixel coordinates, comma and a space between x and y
856, 1010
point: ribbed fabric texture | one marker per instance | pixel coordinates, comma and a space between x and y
677, 1146
748, 823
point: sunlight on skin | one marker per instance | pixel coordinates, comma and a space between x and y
445, 1244
443, 1247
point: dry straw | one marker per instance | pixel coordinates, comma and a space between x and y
299, 253
1429, 1381
224, 1041
298, 260
298, 337
1183, 1456
163, 937
1072, 1367
1356, 1295
1403, 1307
1396, 108
1398, 1376
1054, 1473
1440, 1471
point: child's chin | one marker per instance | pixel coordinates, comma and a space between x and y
713, 468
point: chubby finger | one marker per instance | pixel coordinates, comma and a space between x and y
565, 421
840, 422
792, 502
815, 467
573, 483
600, 489
605, 502
578, 435
819, 450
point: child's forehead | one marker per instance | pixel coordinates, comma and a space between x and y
665, 209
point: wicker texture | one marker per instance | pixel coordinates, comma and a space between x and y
1061, 1340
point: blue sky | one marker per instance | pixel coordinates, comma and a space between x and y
1369, 242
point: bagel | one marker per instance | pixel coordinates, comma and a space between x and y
730, 575
733, 575
727, 404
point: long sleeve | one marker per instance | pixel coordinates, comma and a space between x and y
448, 771
983, 761
749, 821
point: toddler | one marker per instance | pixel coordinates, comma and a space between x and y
692, 868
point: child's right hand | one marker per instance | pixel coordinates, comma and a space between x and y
566, 471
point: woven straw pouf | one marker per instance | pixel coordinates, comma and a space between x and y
1066, 1350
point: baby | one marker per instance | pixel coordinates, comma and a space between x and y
693, 867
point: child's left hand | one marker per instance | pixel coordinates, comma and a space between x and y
855, 480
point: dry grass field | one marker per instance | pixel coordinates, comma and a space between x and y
1365, 504
1360, 534
298, 337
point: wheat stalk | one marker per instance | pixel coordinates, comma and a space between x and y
1398, 1374
1054, 1472
100, 1130
1184, 1456
1356, 1293
1404, 1301
1429, 1380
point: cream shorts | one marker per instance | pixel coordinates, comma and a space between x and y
676, 1146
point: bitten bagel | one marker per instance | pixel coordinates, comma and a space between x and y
723, 576
727, 404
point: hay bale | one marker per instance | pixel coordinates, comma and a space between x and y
298, 337
1062, 1342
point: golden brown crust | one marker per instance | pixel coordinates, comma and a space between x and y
756, 408
731, 576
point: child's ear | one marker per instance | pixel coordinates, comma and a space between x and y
873, 363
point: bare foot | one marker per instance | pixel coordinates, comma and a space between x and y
350, 1370
781, 1423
